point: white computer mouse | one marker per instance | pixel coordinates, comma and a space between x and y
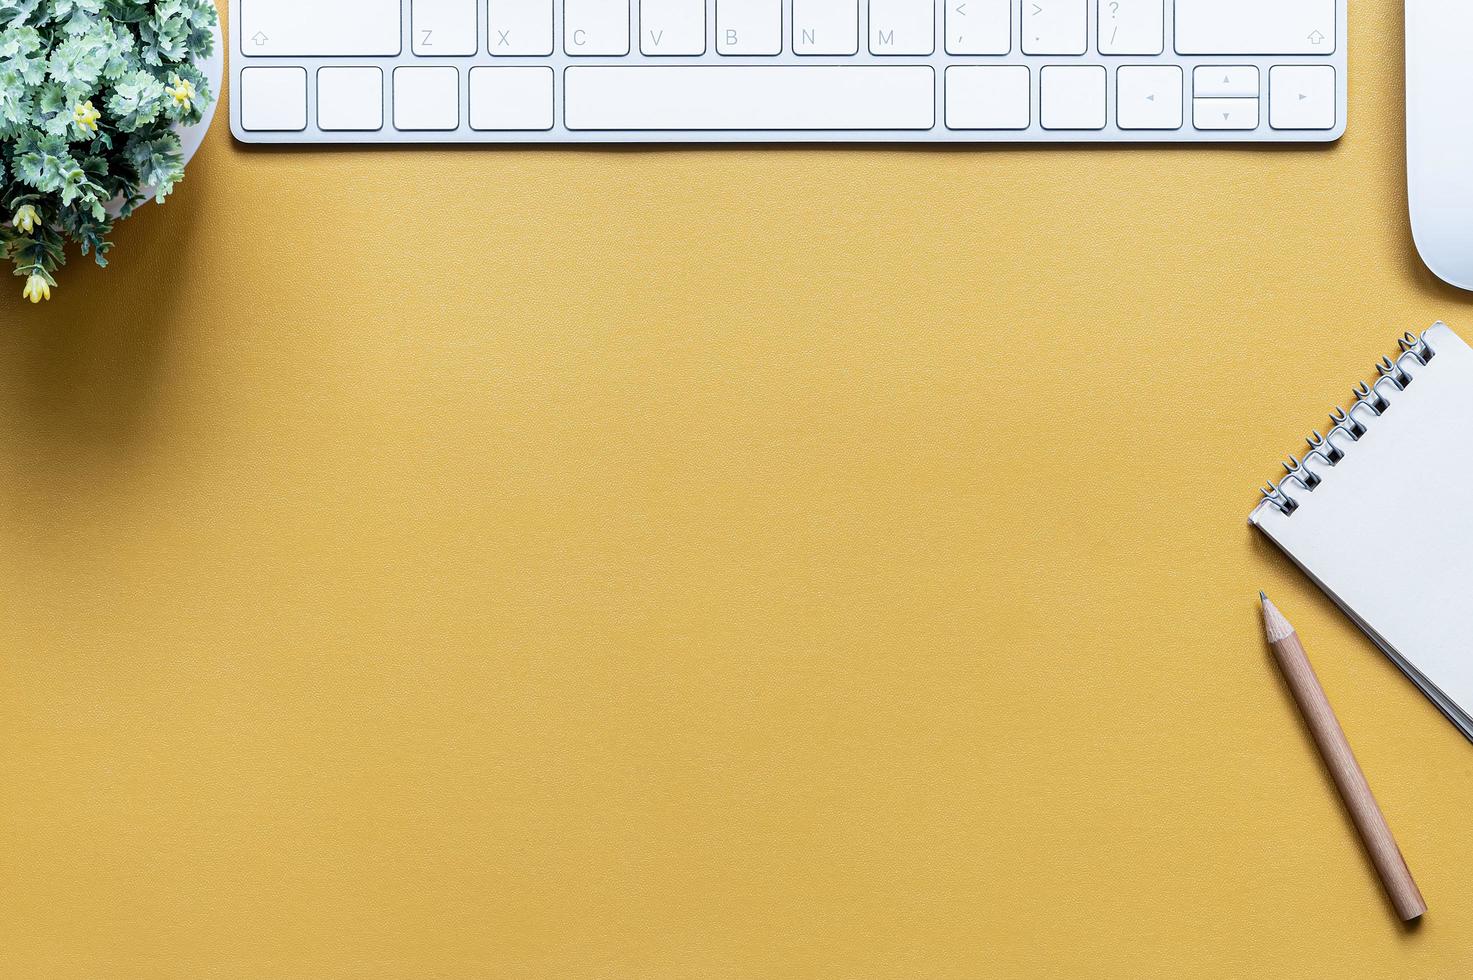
1440, 135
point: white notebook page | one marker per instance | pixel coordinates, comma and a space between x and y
1388, 533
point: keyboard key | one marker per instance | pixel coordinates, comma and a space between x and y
350, 99
1055, 26
1301, 97
1255, 26
1072, 97
443, 27
506, 99
979, 26
1132, 26
273, 100
1225, 113
426, 99
987, 97
749, 27
1225, 82
1149, 97
825, 26
319, 28
785, 97
672, 27
901, 27
518, 28
596, 27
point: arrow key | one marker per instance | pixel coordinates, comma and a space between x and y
1225, 114
1301, 97
1149, 97
1225, 82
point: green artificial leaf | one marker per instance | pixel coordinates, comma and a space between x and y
18, 41
17, 11
77, 15
122, 53
76, 64
16, 100
23, 50
158, 161
40, 253
176, 31
43, 161
88, 225
137, 100
52, 110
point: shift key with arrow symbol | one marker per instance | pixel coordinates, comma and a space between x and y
320, 28
1255, 27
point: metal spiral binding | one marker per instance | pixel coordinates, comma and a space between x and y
1371, 402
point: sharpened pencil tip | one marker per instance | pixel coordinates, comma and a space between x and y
1262, 596
1274, 622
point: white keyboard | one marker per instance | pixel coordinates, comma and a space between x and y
719, 71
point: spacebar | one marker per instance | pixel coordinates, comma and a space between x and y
750, 97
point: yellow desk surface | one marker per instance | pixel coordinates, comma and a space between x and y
706, 563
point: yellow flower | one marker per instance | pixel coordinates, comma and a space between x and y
26, 219
181, 89
86, 115
36, 289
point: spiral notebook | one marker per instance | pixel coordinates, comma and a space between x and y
1379, 513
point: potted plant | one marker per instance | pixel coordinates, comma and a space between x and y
101, 104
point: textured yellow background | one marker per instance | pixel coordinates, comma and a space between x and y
706, 563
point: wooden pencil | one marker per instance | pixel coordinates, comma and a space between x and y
1323, 725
